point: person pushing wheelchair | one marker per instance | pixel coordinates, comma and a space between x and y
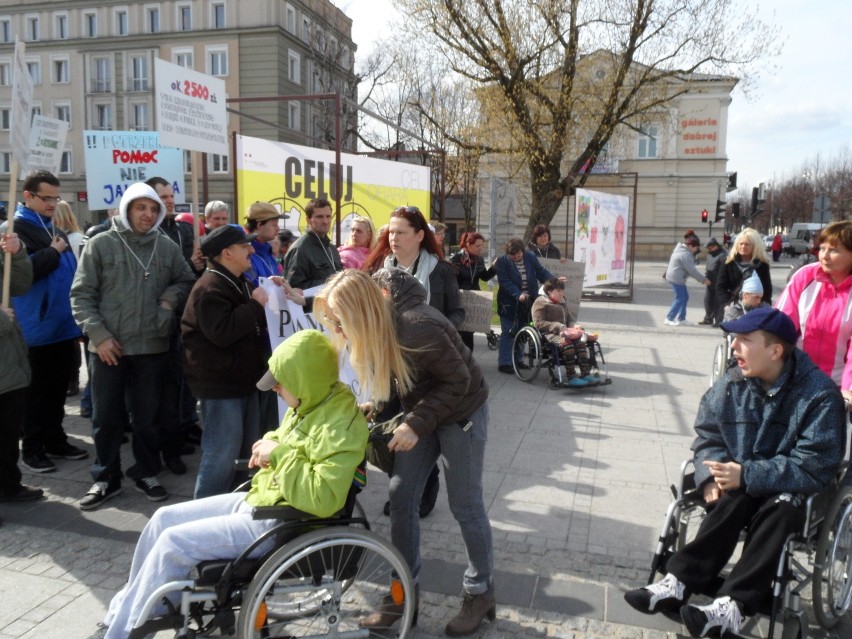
764, 443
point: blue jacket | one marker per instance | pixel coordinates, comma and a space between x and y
263, 263
789, 439
44, 312
511, 285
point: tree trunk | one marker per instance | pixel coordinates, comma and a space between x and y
547, 195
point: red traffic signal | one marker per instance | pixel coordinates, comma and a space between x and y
704, 215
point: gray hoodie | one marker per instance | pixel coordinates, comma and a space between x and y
682, 265
123, 277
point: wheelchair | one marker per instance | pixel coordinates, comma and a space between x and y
321, 577
824, 543
723, 357
532, 352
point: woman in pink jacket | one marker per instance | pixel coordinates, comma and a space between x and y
817, 299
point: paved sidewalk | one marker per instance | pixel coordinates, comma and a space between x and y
576, 488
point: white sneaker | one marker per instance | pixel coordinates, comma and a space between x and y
668, 594
723, 613
672, 322
684, 322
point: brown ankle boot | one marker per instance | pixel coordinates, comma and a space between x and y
474, 609
389, 613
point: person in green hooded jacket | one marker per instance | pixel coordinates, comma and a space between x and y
308, 463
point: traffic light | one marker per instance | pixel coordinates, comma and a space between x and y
757, 201
704, 215
735, 210
721, 207
732, 182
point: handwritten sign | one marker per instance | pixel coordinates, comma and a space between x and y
478, 309
191, 112
117, 159
47, 140
575, 272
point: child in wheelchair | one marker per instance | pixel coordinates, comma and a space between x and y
307, 463
751, 294
552, 319
764, 442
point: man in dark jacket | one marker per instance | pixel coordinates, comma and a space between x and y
766, 440
313, 259
225, 348
14, 374
715, 257
44, 315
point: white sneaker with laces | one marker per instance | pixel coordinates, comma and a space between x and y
667, 594
672, 322
723, 613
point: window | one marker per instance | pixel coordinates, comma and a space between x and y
296, 116
648, 142
62, 112
103, 76
122, 24
182, 58
90, 25
32, 33
152, 19
217, 62
306, 30
60, 26
65, 164
294, 67
5, 29
139, 73
5, 119
184, 17
218, 163
36, 110
5, 74
61, 74
35, 71
290, 19
140, 117
217, 15
5, 162
345, 59
103, 117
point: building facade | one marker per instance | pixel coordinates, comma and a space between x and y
92, 66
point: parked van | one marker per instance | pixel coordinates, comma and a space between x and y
802, 236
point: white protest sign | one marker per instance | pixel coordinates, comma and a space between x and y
47, 140
191, 111
117, 159
574, 271
22, 106
602, 227
284, 318
478, 308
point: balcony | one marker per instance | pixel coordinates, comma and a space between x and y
102, 86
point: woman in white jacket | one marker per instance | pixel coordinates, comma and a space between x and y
681, 266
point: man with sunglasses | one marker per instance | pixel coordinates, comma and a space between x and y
44, 314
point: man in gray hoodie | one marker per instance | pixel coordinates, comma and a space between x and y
127, 286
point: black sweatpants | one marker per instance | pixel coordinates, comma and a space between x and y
770, 521
12, 408
51, 366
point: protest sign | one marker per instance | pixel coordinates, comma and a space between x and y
47, 140
573, 286
478, 309
117, 159
602, 226
22, 106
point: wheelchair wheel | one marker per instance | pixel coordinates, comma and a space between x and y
323, 583
720, 361
832, 584
527, 347
688, 521
493, 339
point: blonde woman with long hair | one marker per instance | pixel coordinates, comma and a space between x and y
747, 256
444, 400
65, 220
362, 240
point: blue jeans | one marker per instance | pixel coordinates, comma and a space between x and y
681, 297
230, 428
140, 377
504, 346
463, 454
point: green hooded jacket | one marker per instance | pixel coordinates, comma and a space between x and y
322, 441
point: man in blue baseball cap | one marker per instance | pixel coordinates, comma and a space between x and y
767, 439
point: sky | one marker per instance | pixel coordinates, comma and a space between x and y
800, 110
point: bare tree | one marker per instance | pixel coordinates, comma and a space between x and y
564, 74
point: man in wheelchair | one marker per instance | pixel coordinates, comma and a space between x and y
307, 463
764, 443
